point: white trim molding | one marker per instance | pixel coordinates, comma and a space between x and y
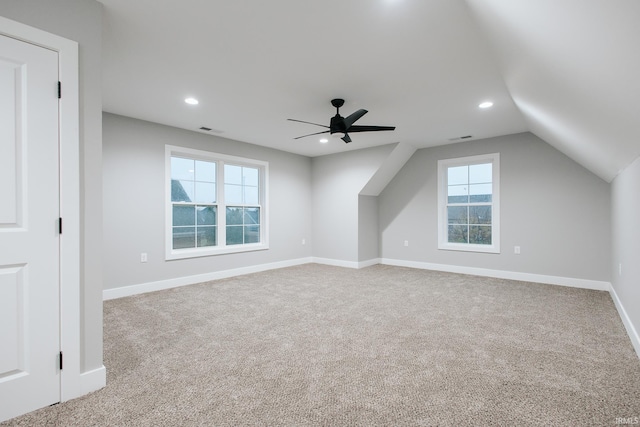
346, 264
93, 380
220, 160
494, 204
501, 274
369, 263
626, 321
72, 382
160, 285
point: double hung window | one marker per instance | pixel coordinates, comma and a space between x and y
468, 203
215, 203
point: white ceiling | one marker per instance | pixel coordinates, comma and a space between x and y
567, 70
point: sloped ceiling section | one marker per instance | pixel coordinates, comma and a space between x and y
573, 69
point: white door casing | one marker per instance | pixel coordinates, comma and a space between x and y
29, 237
76, 378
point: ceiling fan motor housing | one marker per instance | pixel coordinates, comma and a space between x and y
337, 124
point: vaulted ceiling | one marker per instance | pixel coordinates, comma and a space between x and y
566, 70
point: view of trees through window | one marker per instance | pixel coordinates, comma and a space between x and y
195, 205
193, 199
469, 204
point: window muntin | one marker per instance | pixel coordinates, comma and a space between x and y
217, 203
241, 184
193, 202
241, 189
468, 203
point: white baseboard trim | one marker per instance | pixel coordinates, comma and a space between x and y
93, 380
369, 263
159, 285
626, 321
335, 262
500, 274
347, 264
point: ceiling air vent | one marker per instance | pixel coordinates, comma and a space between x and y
206, 129
460, 138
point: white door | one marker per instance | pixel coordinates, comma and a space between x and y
29, 237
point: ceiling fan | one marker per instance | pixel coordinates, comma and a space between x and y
341, 126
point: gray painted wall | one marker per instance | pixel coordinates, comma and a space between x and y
80, 21
134, 203
337, 179
553, 208
368, 233
625, 231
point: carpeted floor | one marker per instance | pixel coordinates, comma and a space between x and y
321, 345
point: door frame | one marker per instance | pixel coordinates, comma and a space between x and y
71, 384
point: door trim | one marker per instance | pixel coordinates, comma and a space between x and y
73, 382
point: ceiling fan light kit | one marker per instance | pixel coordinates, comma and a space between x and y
340, 127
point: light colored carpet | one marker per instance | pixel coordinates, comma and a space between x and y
321, 345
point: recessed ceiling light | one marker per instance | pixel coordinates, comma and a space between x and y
191, 101
324, 140
486, 104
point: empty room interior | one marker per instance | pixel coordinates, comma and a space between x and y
363, 212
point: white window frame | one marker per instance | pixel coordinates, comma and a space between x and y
443, 166
222, 247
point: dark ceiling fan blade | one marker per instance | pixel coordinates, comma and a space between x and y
346, 138
352, 118
370, 128
310, 123
311, 134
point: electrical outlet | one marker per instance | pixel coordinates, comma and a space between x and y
406, 243
143, 257
516, 250
304, 241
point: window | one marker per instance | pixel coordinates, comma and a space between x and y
241, 191
468, 203
215, 203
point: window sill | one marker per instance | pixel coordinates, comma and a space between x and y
469, 248
197, 253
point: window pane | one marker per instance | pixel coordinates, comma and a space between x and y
480, 193
205, 192
458, 194
234, 234
182, 168
233, 193
252, 234
184, 215
184, 237
480, 234
205, 171
479, 214
458, 175
457, 214
207, 236
458, 234
252, 215
250, 176
182, 191
251, 196
232, 174
479, 174
234, 216
207, 215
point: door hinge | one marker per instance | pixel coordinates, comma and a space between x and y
59, 90
61, 361
59, 225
